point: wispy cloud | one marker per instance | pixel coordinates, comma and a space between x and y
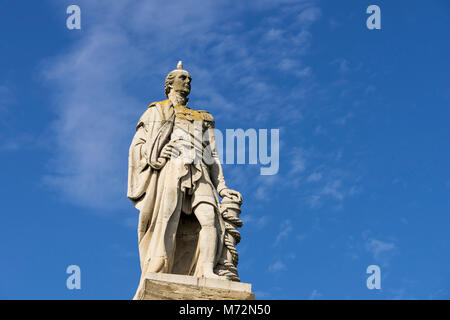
378, 248
298, 161
104, 82
309, 15
343, 65
277, 266
95, 118
258, 222
10, 139
315, 295
381, 250
7, 99
330, 188
285, 231
333, 189
314, 177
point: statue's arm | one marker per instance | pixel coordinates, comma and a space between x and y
216, 171
149, 139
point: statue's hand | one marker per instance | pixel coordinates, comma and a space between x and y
233, 194
168, 151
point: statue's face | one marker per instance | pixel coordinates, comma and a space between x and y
182, 83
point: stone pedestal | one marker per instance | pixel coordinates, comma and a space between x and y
163, 286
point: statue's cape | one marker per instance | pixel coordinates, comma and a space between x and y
154, 188
152, 132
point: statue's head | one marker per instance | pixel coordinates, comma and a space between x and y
178, 80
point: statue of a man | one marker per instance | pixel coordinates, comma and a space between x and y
173, 180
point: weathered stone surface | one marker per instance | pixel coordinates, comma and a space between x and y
163, 286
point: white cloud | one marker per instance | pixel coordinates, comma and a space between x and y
6, 98
258, 222
314, 201
10, 139
277, 266
309, 15
333, 188
95, 118
264, 186
342, 121
314, 177
315, 295
298, 161
103, 82
285, 231
378, 248
274, 35
17, 141
343, 65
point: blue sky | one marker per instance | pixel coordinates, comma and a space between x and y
363, 118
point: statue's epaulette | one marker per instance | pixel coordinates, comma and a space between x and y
155, 103
206, 116
144, 118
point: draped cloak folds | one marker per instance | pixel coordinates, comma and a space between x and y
168, 237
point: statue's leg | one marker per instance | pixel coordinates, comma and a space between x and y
205, 214
162, 245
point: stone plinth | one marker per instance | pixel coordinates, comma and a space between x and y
163, 286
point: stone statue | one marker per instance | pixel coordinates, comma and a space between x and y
174, 177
